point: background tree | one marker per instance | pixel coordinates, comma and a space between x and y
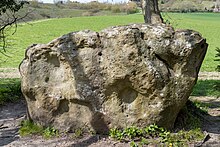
151, 11
9, 17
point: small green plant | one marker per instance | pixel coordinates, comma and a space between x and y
132, 132
182, 137
116, 133
50, 132
133, 144
153, 134
152, 131
30, 128
144, 141
155, 131
78, 133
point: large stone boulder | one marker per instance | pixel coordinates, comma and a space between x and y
127, 75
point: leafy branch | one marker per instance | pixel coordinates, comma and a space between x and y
8, 18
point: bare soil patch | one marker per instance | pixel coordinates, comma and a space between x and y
9, 73
209, 75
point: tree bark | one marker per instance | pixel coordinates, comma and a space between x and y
151, 11
147, 9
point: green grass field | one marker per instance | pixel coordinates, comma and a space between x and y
208, 24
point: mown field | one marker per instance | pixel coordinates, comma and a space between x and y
208, 24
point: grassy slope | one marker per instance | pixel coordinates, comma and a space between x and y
207, 24
45, 31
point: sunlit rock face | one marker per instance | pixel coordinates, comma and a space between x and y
127, 75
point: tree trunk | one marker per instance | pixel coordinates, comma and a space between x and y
151, 11
147, 9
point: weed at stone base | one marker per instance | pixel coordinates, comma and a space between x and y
116, 133
183, 137
50, 132
144, 134
78, 133
155, 135
133, 144
30, 128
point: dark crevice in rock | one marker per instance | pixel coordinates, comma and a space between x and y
169, 68
100, 53
62, 107
31, 94
81, 102
47, 79
164, 61
142, 35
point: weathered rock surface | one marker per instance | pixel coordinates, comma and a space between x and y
127, 75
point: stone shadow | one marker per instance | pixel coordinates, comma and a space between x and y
8, 136
92, 100
209, 123
87, 142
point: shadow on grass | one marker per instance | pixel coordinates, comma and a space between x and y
207, 88
210, 121
194, 116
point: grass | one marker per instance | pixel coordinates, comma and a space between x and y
208, 24
207, 88
30, 128
10, 90
154, 135
45, 31
187, 130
